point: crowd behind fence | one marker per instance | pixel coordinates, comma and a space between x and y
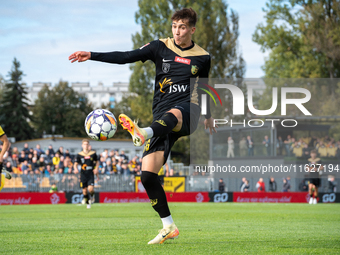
126, 183
37, 170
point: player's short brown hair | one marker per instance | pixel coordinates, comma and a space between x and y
186, 13
85, 141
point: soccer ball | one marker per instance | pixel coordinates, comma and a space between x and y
100, 125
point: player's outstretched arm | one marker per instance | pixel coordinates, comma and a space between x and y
209, 123
79, 56
5, 147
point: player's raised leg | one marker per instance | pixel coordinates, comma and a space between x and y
169, 121
151, 165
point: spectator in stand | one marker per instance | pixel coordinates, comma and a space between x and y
15, 151
245, 187
48, 170
59, 174
67, 153
297, 149
22, 157
67, 163
105, 154
260, 186
305, 152
272, 184
331, 150
48, 158
29, 159
108, 167
26, 149
8, 167
230, 152
50, 151
303, 186
61, 164
25, 166
114, 166
111, 154
15, 162
288, 144
116, 155
243, 181
61, 151
41, 162
34, 164
243, 147
25, 180
56, 160
286, 186
279, 145
39, 150
102, 164
331, 184
123, 156
119, 166
266, 143
34, 181
53, 188
221, 185
250, 145
321, 149
125, 170
134, 162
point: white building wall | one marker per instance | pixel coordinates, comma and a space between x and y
97, 95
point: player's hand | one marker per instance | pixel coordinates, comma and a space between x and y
209, 123
79, 56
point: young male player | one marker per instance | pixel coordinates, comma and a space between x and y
89, 163
314, 176
5, 147
176, 107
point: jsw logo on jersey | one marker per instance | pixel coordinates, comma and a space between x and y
178, 88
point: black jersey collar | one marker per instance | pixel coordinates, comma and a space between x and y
187, 48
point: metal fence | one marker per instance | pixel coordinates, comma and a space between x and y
126, 183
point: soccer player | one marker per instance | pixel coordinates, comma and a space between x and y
5, 147
89, 163
314, 177
176, 106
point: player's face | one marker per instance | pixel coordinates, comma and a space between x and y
85, 146
182, 32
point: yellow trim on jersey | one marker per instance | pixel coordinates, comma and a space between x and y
2, 132
194, 96
194, 51
82, 153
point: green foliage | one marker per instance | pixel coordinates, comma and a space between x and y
14, 109
302, 37
216, 32
63, 108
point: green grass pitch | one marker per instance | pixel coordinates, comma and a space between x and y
207, 228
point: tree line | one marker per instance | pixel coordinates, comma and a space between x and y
302, 37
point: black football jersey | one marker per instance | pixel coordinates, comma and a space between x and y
87, 161
315, 163
175, 66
